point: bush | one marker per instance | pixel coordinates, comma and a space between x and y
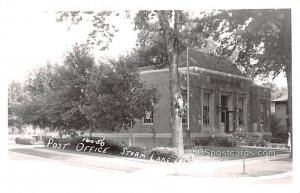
279, 140
219, 141
114, 148
165, 153
203, 141
266, 137
25, 140
279, 135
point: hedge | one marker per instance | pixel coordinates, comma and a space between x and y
25, 140
105, 146
218, 141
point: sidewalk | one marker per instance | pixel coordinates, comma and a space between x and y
257, 167
254, 167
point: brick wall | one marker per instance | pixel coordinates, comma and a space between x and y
200, 81
161, 120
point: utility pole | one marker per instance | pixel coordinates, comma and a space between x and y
188, 133
188, 98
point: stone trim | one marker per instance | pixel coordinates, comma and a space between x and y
163, 135
198, 69
168, 135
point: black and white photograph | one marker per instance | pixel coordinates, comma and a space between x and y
146, 99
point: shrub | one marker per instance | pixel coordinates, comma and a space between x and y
267, 137
158, 153
203, 141
260, 143
164, 152
279, 135
219, 141
25, 140
223, 142
279, 140
114, 148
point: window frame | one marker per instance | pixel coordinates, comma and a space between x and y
206, 110
151, 117
262, 116
241, 111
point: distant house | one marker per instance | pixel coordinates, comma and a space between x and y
223, 101
282, 111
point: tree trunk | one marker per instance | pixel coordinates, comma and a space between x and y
290, 104
91, 129
286, 38
171, 46
131, 141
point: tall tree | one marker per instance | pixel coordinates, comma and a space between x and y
169, 28
116, 97
82, 95
168, 31
35, 90
15, 97
56, 92
171, 43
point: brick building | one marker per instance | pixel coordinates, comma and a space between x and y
281, 111
222, 101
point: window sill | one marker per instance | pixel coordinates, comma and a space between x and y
147, 123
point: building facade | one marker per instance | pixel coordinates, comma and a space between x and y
281, 111
222, 101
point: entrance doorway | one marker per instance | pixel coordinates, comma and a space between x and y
225, 112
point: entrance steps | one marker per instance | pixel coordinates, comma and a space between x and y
240, 139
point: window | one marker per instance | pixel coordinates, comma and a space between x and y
223, 116
224, 103
148, 119
184, 116
240, 111
262, 113
205, 108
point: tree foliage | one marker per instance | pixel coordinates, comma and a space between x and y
81, 95
15, 96
102, 32
116, 95
257, 40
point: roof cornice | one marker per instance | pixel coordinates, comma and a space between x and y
198, 69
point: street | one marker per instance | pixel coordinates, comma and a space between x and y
34, 168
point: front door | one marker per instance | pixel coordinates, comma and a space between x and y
224, 112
